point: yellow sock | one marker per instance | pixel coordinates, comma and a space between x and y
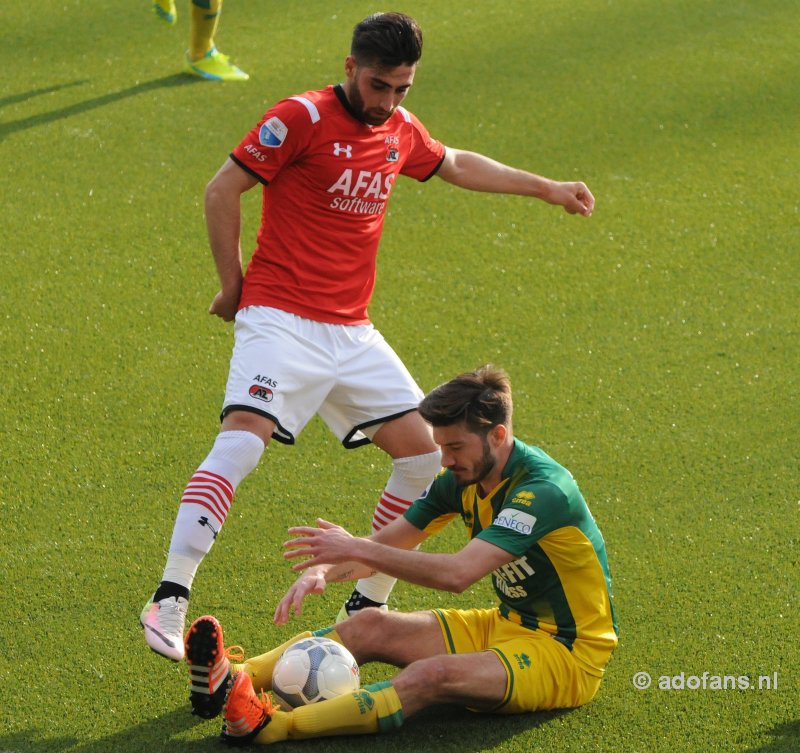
260, 667
165, 10
204, 20
375, 708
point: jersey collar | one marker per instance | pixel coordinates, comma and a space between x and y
516, 455
338, 90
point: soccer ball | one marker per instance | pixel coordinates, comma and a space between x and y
314, 669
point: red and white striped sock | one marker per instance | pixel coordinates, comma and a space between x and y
410, 477
206, 501
389, 507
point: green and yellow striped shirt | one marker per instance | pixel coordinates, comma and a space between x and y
559, 582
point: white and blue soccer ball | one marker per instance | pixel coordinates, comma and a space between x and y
314, 669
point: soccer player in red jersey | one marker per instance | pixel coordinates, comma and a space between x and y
303, 342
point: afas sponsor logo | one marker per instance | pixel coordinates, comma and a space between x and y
364, 184
362, 192
263, 389
515, 520
253, 151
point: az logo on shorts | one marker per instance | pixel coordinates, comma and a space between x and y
260, 392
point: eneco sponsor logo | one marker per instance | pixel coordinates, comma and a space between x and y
516, 520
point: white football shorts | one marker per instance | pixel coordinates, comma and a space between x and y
288, 368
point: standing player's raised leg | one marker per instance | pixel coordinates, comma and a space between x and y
416, 460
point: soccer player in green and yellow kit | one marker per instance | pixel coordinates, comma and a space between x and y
546, 644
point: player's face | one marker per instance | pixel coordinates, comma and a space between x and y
468, 456
375, 93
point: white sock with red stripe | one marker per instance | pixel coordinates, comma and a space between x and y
206, 501
410, 478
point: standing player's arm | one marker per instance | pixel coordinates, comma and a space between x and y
480, 173
223, 219
332, 545
313, 580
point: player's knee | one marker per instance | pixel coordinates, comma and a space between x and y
435, 671
364, 624
421, 467
234, 455
255, 423
428, 679
366, 633
412, 475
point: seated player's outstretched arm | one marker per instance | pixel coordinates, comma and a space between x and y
332, 545
446, 572
314, 578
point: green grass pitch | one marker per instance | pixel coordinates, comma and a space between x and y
654, 348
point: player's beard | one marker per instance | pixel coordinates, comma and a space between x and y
482, 468
373, 116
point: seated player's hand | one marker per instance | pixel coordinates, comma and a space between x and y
328, 544
309, 582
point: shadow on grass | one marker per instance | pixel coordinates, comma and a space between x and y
14, 126
446, 728
25, 96
152, 736
787, 739
468, 731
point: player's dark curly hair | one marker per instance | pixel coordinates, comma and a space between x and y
480, 398
386, 40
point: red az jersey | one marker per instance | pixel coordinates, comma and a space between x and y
326, 177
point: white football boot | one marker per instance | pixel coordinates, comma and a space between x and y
163, 622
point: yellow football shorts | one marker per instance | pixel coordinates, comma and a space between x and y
542, 673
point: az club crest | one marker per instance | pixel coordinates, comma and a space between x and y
260, 392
